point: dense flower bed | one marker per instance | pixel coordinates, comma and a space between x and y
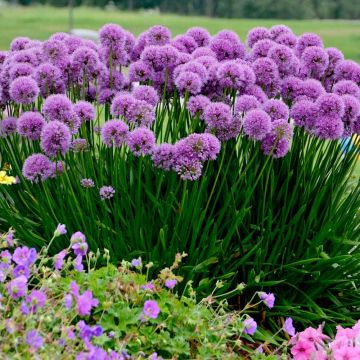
230, 152
54, 307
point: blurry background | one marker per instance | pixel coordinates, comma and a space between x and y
336, 21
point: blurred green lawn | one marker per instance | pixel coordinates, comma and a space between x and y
40, 22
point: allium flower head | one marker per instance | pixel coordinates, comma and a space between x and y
141, 113
121, 104
8, 126
244, 103
330, 105
347, 70
200, 35
20, 69
106, 192
163, 156
257, 124
158, 35
233, 75
328, 127
55, 138
30, 125
249, 326
256, 34
19, 43
139, 71
197, 104
37, 167
261, 48
304, 113
266, 71
278, 30
114, 133
146, 93
217, 113
188, 168
84, 110
141, 141
347, 87
87, 183
314, 60
24, 90
189, 82
309, 89
282, 55
184, 43
57, 107
17, 287
335, 55
289, 40
112, 36
151, 309
307, 40
276, 109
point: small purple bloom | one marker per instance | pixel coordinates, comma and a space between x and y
170, 283
249, 326
30, 125
24, 256
37, 167
21, 270
141, 141
151, 309
268, 299
36, 299
106, 192
85, 303
60, 230
59, 259
257, 124
289, 327
87, 183
24, 90
136, 262
17, 287
34, 340
55, 138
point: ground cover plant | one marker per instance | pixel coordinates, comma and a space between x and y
61, 308
238, 155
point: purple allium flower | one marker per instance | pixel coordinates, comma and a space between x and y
184, 43
141, 113
20, 69
257, 124
106, 96
289, 327
79, 145
355, 126
226, 49
202, 52
347, 87
17, 287
68, 301
34, 340
268, 299
197, 104
274, 146
36, 299
19, 43
304, 113
24, 256
314, 61
24, 90
235, 76
200, 35
8, 126
289, 87
85, 303
21, 270
151, 309
59, 259
37, 167
112, 36
55, 52
276, 109
193, 67
49, 79
58, 107
188, 168
87, 183
217, 114
327, 127
306, 40
121, 104
266, 71
30, 125
188, 82
78, 265
106, 192
84, 110
244, 103
139, 71
84, 62
352, 111
249, 326
256, 34
289, 40
282, 55
261, 49
330, 105
141, 141
347, 70
163, 156
146, 93
158, 35
278, 30
55, 138
309, 89
114, 133
170, 283
136, 262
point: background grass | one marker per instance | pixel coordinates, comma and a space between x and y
40, 22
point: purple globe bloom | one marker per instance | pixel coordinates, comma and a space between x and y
278, 30
139, 71
282, 55
24, 90
188, 168
87, 183
257, 124
226, 49
141, 113
250, 326
84, 63
30, 125
19, 43
189, 82
121, 104
201, 52
268, 299
261, 49
335, 55
347, 87
163, 156
158, 35
58, 108
17, 287
151, 309
197, 105
112, 36
330, 105
266, 71
20, 69
55, 138
49, 79
304, 113
314, 61
309, 89
290, 87
8, 126
289, 327
24, 256
85, 303
217, 114
276, 109
85, 111
289, 40
331, 128
200, 35
235, 76
347, 70
55, 52
184, 43
141, 141
256, 34
106, 192
37, 167
307, 40
244, 103
146, 93
34, 340
352, 111
114, 133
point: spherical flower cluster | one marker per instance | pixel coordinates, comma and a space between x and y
84, 110
37, 167
30, 125
141, 141
106, 192
114, 133
55, 138
24, 90
257, 124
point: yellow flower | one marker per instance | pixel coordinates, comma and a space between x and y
5, 179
